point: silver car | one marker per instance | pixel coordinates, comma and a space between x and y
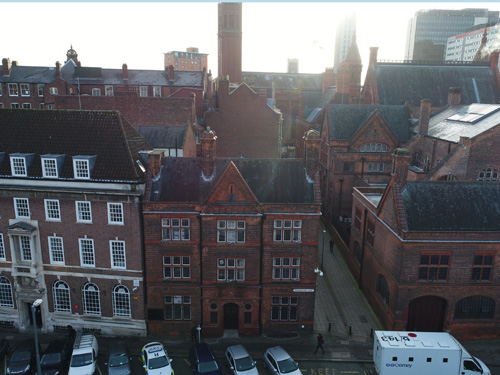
278, 361
239, 361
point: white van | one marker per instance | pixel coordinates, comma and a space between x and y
84, 357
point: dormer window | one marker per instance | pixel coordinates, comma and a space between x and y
82, 166
51, 165
19, 164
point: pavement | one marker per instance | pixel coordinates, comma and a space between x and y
342, 315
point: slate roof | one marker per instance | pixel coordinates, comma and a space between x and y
399, 83
283, 81
346, 119
30, 74
443, 128
271, 180
452, 206
105, 134
314, 102
164, 136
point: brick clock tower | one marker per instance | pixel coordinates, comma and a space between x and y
229, 41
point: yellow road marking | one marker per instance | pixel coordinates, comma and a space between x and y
185, 360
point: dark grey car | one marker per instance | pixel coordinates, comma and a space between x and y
118, 361
23, 359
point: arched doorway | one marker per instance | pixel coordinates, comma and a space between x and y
230, 316
426, 314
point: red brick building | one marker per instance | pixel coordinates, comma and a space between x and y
230, 244
71, 233
245, 123
229, 39
189, 61
426, 253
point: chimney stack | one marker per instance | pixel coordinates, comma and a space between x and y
125, 71
208, 138
425, 115
373, 56
6, 66
154, 162
400, 162
171, 74
58, 69
454, 96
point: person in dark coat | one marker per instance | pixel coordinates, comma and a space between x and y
321, 341
71, 332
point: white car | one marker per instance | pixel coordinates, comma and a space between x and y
239, 361
278, 361
155, 359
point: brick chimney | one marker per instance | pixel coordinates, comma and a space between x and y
154, 163
208, 138
494, 65
373, 56
312, 143
6, 66
344, 80
58, 69
425, 115
454, 96
125, 71
171, 74
400, 162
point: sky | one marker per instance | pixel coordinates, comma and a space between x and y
108, 34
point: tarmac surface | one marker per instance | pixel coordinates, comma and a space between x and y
342, 315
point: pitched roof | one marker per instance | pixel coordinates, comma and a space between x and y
30, 74
346, 119
315, 102
399, 83
164, 136
104, 134
283, 81
443, 126
452, 206
271, 180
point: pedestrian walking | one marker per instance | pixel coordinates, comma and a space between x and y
321, 341
71, 332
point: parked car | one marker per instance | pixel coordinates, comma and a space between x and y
118, 362
239, 361
278, 361
4, 347
23, 359
84, 355
55, 360
155, 359
203, 361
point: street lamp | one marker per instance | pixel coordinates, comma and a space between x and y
323, 249
35, 304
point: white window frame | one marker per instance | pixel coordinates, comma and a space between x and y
88, 241
17, 169
2, 248
176, 267
7, 297
176, 229
143, 91
25, 89
108, 90
40, 88
53, 91
79, 212
17, 206
117, 250
157, 91
79, 170
61, 296
231, 269
91, 295
286, 268
15, 105
13, 89
121, 301
96, 91
53, 209
56, 253
25, 248
113, 214
47, 169
287, 230
26, 105
228, 231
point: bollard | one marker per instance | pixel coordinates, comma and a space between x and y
350, 329
329, 326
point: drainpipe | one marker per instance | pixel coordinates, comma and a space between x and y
200, 247
341, 180
360, 280
261, 327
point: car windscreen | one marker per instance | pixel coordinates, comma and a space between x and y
158, 362
208, 366
20, 356
244, 364
287, 365
80, 360
51, 359
118, 360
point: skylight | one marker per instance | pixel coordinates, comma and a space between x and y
474, 113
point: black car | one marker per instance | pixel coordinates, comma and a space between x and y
4, 347
23, 359
55, 360
118, 359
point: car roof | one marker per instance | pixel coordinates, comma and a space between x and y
154, 347
238, 351
279, 353
203, 352
25, 345
117, 347
56, 345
